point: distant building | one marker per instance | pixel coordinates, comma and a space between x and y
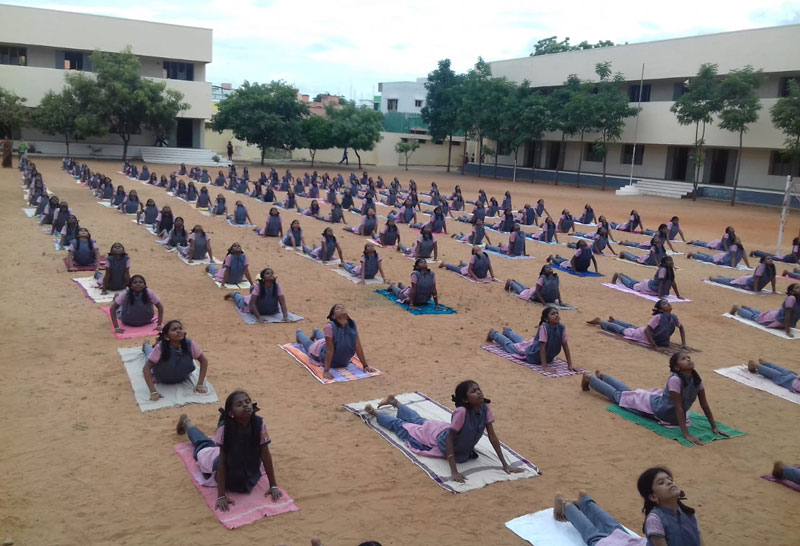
401, 105
219, 92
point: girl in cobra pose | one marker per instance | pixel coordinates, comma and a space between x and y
546, 290
550, 339
660, 285
135, 306
478, 269
658, 331
422, 288
369, 265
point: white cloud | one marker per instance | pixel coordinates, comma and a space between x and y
351, 44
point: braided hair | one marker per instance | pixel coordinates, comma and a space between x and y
670, 269
131, 297
657, 308
226, 419
673, 367
262, 288
645, 487
545, 314
770, 269
163, 339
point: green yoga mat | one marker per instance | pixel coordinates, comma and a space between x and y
700, 428
428, 309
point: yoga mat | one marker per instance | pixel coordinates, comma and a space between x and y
244, 285
576, 273
672, 348
507, 257
106, 204
337, 261
565, 307
542, 529
173, 395
130, 331
30, 213
560, 366
740, 267
250, 318
428, 309
230, 223
204, 211
582, 224
764, 291
700, 426
204, 261
742, 375
429, 261
479, 472
787, 483
355, 280
541, 242
374, 242
780, 332
625, 289
485, 280
249, 508
635, 263
93, 291
72, 268
786, 278
353, 371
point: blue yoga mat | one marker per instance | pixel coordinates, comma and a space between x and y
428, 309
576, 273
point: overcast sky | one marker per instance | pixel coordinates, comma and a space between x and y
347, 46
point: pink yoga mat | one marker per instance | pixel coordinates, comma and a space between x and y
72, 267
787, 483
559, 367
622, 288
131, 331
248, 508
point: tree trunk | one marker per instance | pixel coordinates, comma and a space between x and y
516, 153
560, 155
313, 153
580, 163
694, 167
66, 141
125, 140
736, 173
359, 158
449, 151
464, 163
533, 163
495, 159
480, 154
605, 157
263, 153
406, 161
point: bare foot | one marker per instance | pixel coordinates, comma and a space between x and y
689, 256
559, 505
369, 409
762, 360
596, 321
622, 255
611, 319
599, 375
582, 493
585, 381
734, 310
184, 424
489, 336
615, 278
549, 258
507, 287
777, 470
751, 366
228, 296
441, 265
388, 401
785, 273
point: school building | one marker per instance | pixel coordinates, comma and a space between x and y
39, 46
663, 146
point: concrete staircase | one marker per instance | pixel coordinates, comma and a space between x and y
191, 157
658, 188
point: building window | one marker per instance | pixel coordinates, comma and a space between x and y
679, 90
420, 141
627, 154
783, 88
781, 165
73, 60
633, 93
391, 105
174, 70
418, 103
590, 153
17, 56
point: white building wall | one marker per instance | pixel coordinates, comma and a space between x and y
406, 94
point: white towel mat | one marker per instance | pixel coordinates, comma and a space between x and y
356, 280
542, 529
742, 375
90, 288
774, 331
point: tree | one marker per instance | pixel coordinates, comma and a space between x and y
13, 113
317, 134
580, 110
559, 117
697, 106
70, 113
550, 45
611, 110
355, 127
739, 104
442, 103
474, 100
523, 119
405, 148
786, 117
267, 115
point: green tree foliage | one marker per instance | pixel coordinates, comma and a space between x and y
611, 109
355, 127
475, 114
442, 103
267, 115
550, 45
407, 149
559, 118
71, 112
524, 118
317, 134
785, 115
739, 104
13, 113
581, 111
697, 107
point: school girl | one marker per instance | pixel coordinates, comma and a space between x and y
406, 214
777, 374
515, 246
83, 250
69, 231
178, 236
134, 306
566, 223
791, 258
220, 207
506, 223
164, 222
312, 210
145, 174
634, 222
240, 217
47, 209
369, 265
547, 289
60, 216
652, 258
658, 331
337, 213
219, 180
172, 358
784, 318
294, 237
118, 197
436, 222
478, 213
718, 244
660, 285
425, 246
191, 192
548, 233
493, 208
595, 525
668, 521
269, 195
234, 268
265, 299
579, 262
454, 441
118, 274
203, 199
328, 247
730, 257
421, 289
527, 216
131, 203
588, 215
763, 275
180, 190
273, 226
368, 226
673, 229
795, 274
477, 236
389, 235
550, 339
336, 344
479, 267
198, 245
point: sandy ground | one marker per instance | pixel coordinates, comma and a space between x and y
81, 464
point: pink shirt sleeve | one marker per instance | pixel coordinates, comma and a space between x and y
759, 272
120, 299
419, 239
540, 281
655, 321
653, 526
542, 334
472, 260
155, 300
577, 253
489, 415
414, 277
220, 434
674, 385
512, 237
196, 352
662, 273
227, 262
155, 354
457, 419
789, 302
327, 330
